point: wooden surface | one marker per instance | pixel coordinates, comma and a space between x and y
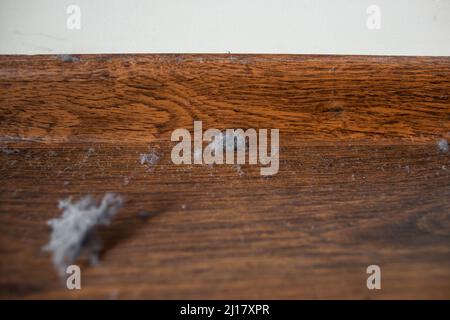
361, 178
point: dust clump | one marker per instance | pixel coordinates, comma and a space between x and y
68, 58
74, 232
228, 142
239, 170
150, 159
442, 145
90, 152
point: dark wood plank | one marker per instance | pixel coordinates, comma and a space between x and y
361, 179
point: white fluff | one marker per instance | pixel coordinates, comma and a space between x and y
75, 229
228, 142
443, 145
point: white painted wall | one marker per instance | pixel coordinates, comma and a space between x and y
408, 27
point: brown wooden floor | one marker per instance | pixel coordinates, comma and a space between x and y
361, 178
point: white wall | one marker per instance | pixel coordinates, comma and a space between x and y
408, 27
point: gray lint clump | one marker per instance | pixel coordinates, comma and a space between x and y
443, 145
228, 143
75, 231
149, 159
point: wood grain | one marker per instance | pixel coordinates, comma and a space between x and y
361, 178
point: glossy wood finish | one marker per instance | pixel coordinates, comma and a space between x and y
361, 178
